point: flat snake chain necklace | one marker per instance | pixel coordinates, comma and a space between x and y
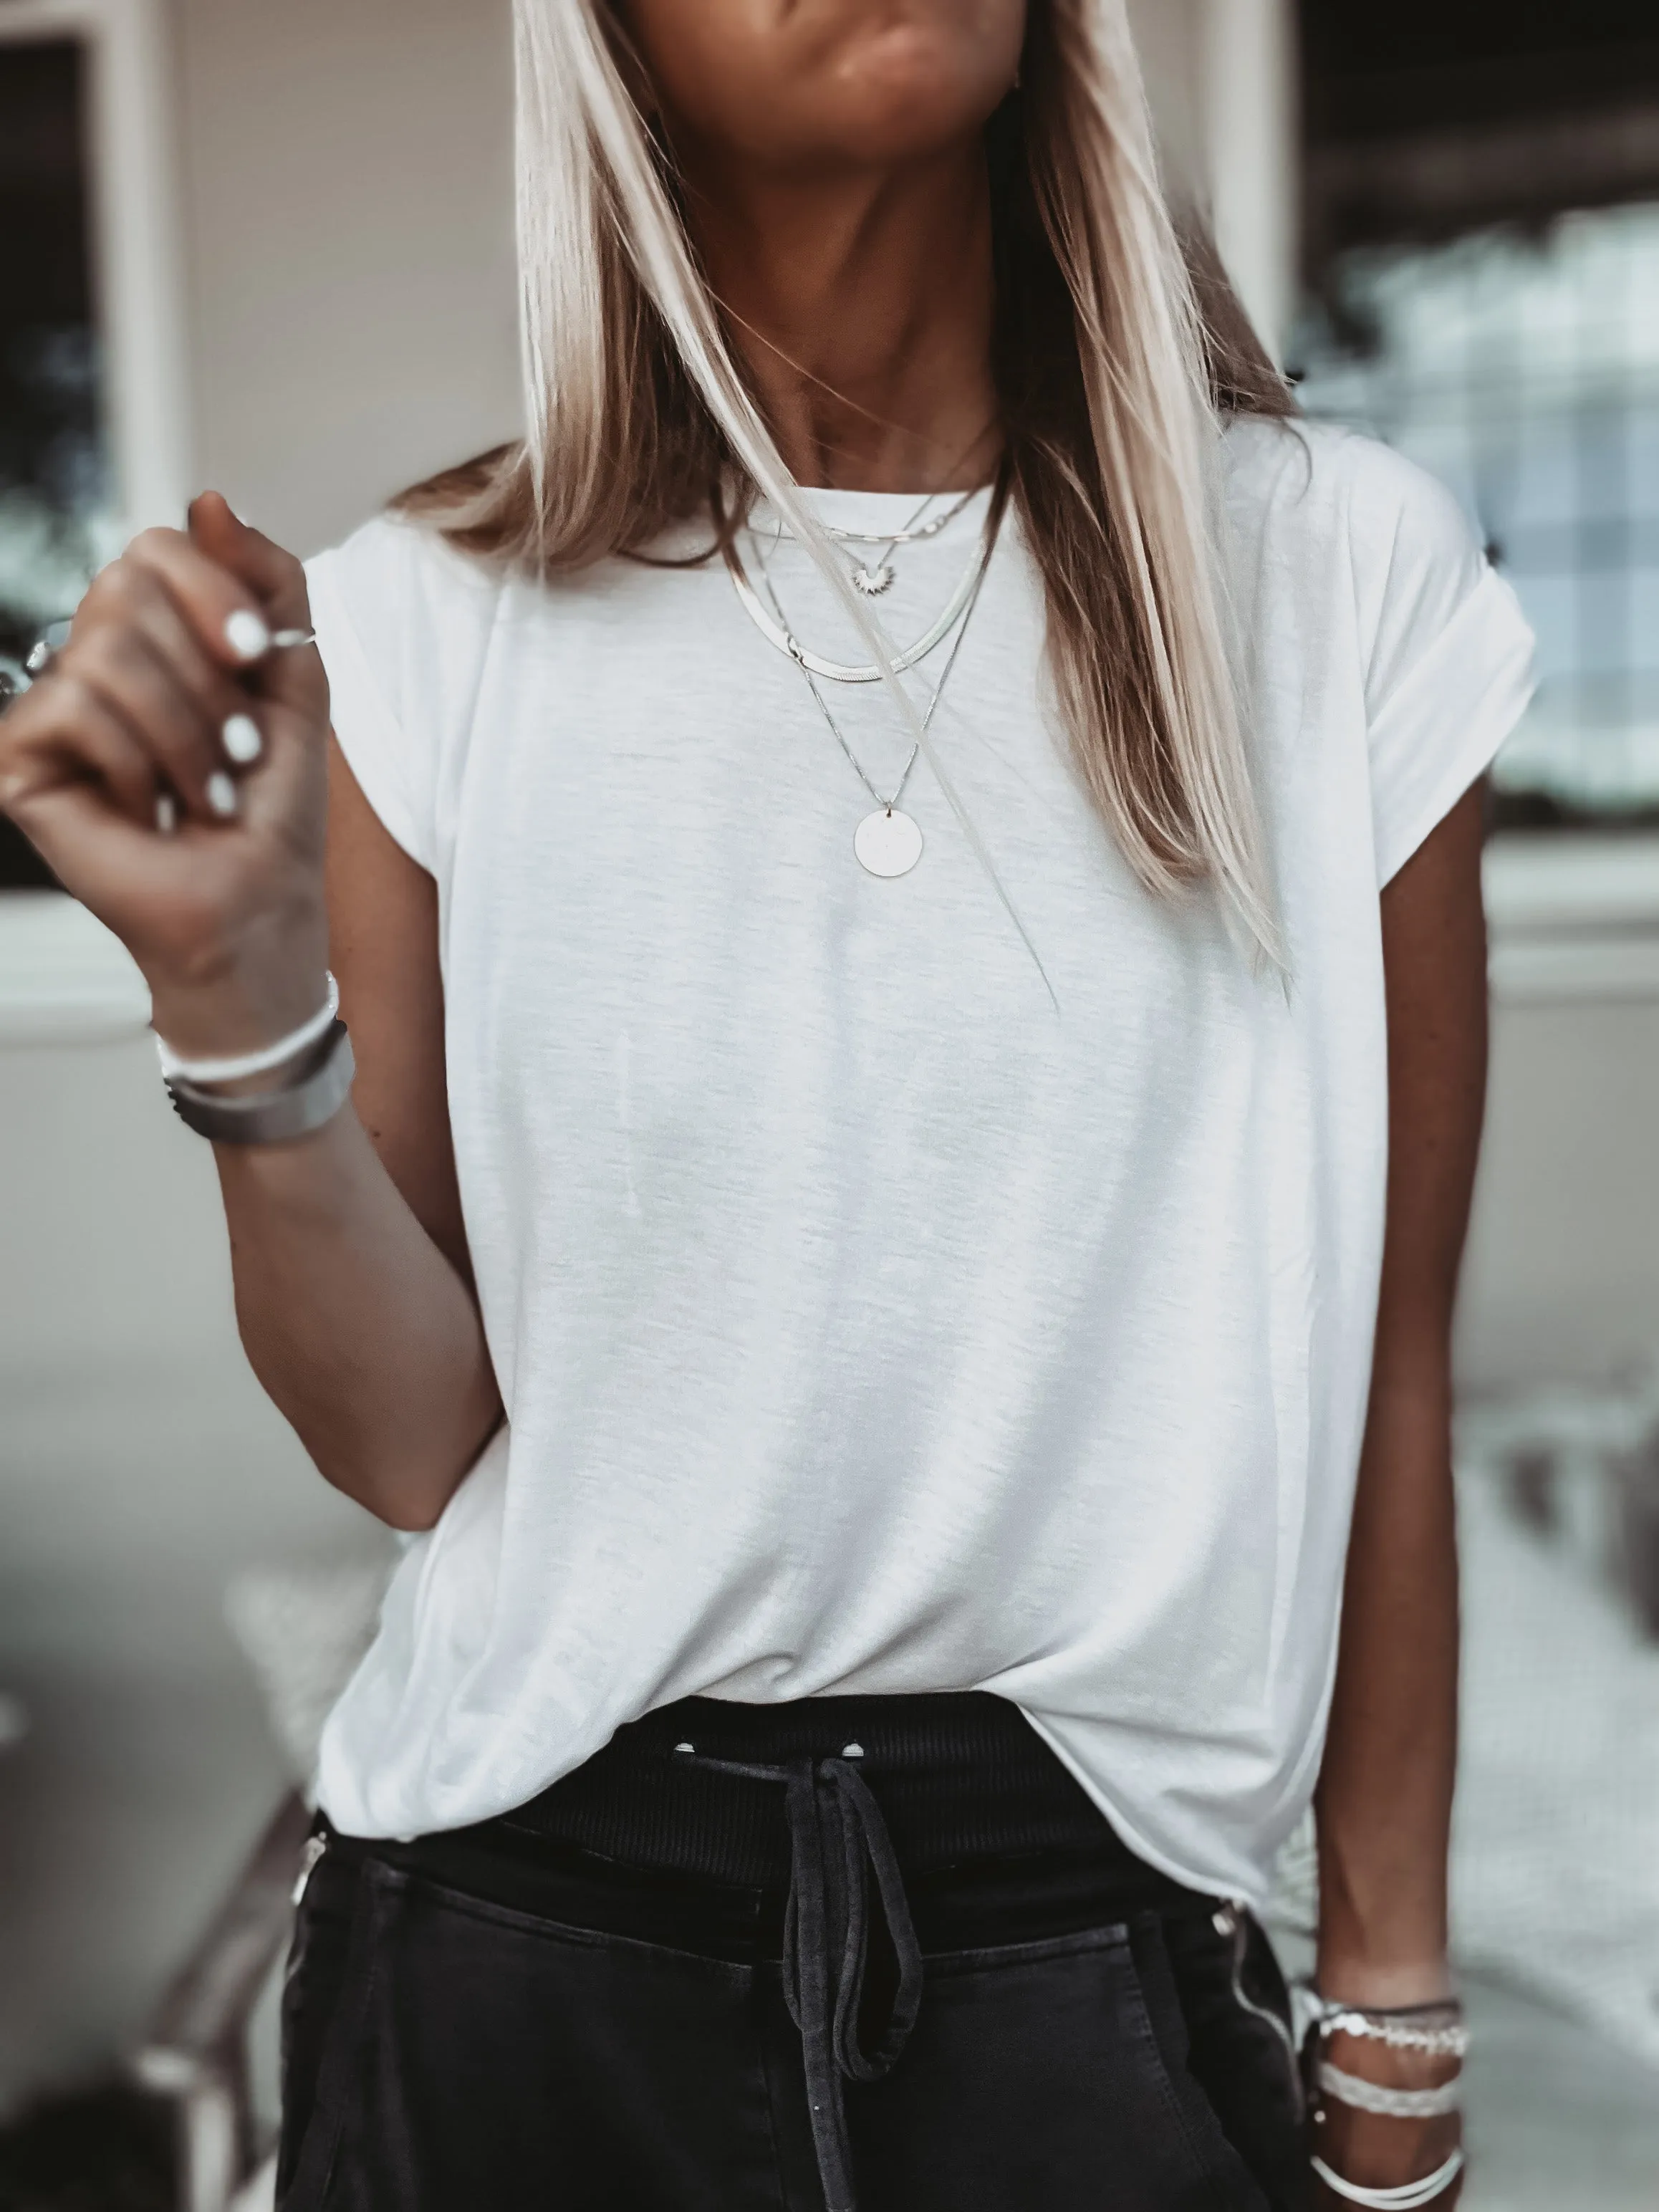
888, 842
778, 633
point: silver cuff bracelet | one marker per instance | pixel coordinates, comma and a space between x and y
273, 1117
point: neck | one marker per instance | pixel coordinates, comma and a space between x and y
861, 303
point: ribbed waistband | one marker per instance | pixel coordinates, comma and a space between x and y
961, 1777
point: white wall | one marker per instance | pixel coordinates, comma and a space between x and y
1221, 76
1562, 1277
347, 168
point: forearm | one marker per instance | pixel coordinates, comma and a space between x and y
1385, 1790
361, 1330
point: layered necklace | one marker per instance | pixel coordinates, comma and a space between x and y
887, 842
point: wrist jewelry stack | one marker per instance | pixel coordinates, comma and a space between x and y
318, 1082
1435, 2031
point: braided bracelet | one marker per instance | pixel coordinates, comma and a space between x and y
1407, 2198
1362, 2096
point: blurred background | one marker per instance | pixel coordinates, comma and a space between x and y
270, 249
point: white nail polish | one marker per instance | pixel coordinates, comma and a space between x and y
167, 812
221, 793
246, 635
242, 740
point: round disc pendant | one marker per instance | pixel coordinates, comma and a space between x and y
887, 843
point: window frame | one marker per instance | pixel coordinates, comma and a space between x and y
137, 245
62, 975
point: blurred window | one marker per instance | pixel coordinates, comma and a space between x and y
55, 503
1524, 371
1481, 244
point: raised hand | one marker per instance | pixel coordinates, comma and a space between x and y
170, 767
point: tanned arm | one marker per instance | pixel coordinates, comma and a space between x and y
1385, 1791
354, 1290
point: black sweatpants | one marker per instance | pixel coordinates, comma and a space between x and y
878, 1952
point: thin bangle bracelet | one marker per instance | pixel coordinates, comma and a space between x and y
252, 1063
1407, 2198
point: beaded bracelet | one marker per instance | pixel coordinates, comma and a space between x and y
1436, 2029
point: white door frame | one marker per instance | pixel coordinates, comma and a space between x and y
137, 243
1249, 71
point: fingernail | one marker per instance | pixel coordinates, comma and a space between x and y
246, 635
167, 812
221, 793
241, 739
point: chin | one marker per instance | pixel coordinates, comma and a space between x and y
911, 90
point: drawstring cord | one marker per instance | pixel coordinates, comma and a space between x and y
837, 1840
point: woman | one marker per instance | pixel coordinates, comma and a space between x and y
858, 1241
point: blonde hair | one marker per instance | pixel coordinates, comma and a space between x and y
1117, 350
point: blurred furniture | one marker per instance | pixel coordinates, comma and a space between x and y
1581, 1468
194, 2053
303, 1631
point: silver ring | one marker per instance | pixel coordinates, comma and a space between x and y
47, 646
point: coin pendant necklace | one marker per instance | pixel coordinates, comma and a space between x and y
888, 842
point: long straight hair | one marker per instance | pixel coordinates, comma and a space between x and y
1118, 350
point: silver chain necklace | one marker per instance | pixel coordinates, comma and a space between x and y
888, 842
874, 577
779, 634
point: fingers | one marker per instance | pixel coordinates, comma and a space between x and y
229, 734
71, 735
179, 647
169, 691
225, 616
175, 711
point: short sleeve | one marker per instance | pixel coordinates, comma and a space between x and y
1449, 659
401, 623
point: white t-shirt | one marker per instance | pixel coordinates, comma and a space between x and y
865, 1320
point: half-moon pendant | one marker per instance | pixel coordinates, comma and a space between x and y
887, 842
